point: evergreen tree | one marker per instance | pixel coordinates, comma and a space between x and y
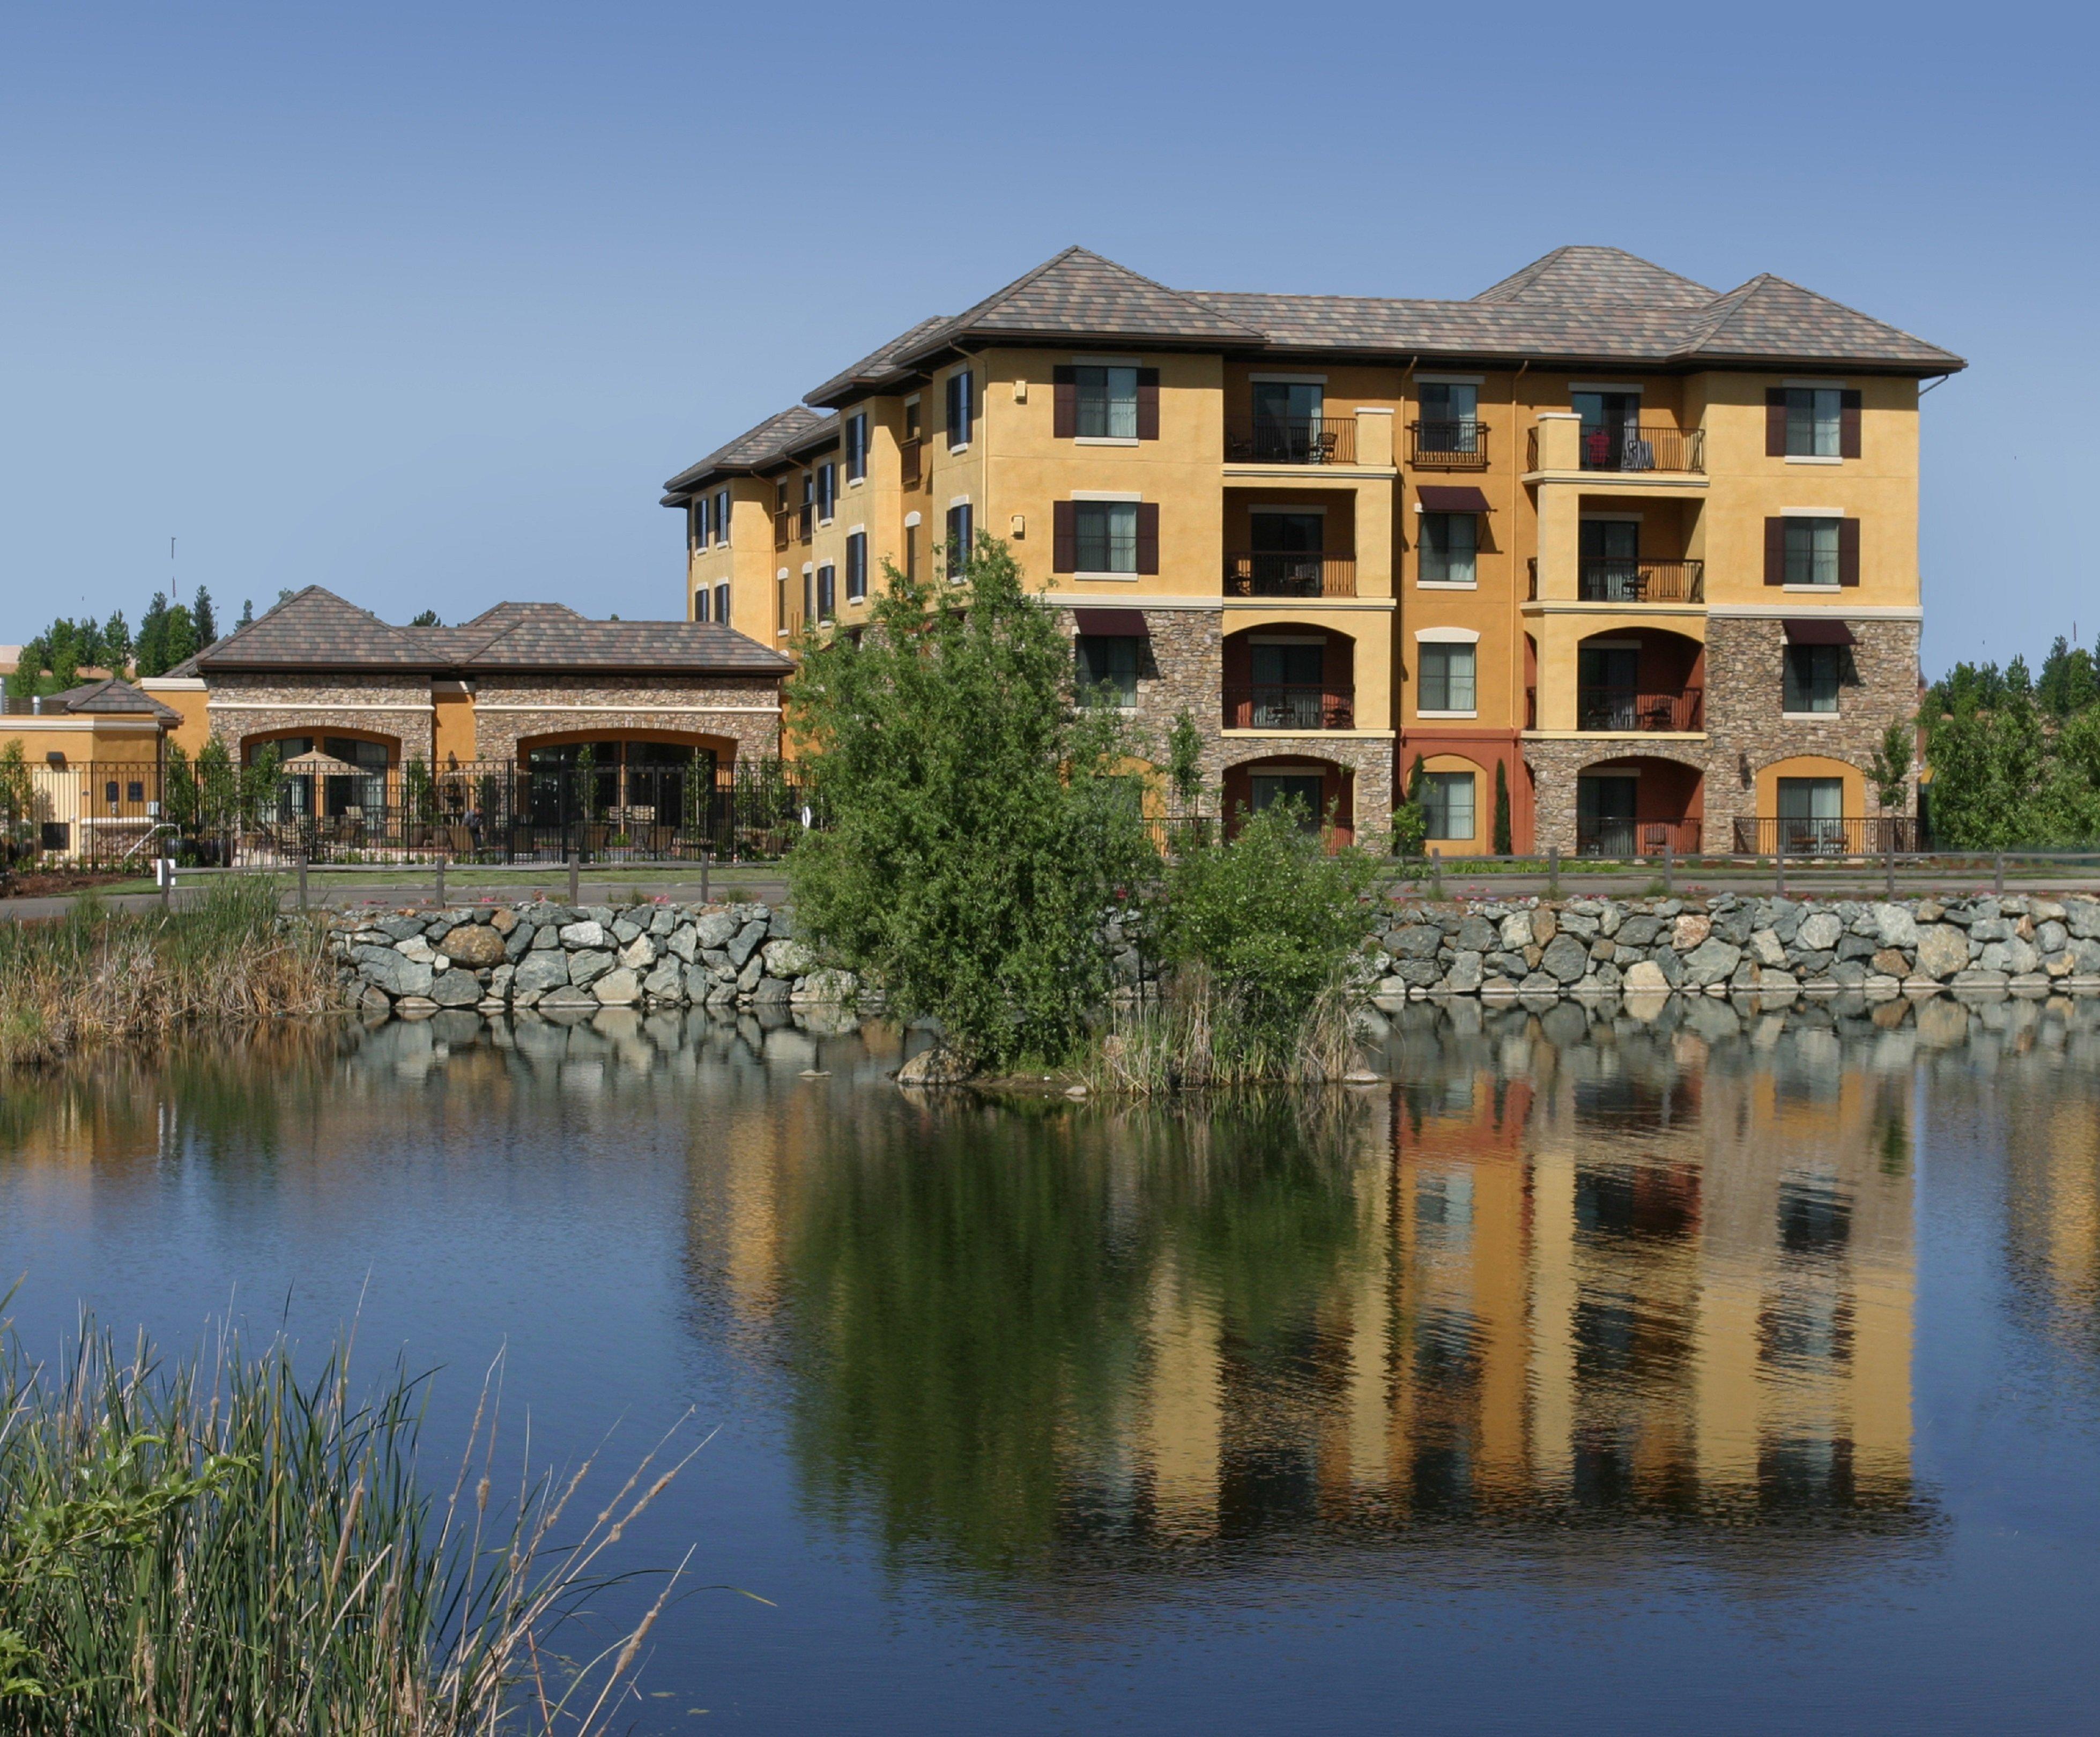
207, 622
247, 614
150, 650
2068, 683
181, 638
429, 618
116, 647
1503, 846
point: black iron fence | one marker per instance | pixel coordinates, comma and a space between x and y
1275, 573
105, 816
1292, 440
1597, 836
1851, 835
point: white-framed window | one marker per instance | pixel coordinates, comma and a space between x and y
722, 515
959, 540
856, 446
1447, 804
962, 408
1450, 541
1812, 551
1444, 678
1108, 665
1105, 536
808, 592
856, 566
721, 604
1107, 403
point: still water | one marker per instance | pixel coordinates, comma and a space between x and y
1727, 1372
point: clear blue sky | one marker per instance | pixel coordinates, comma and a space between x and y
423, 303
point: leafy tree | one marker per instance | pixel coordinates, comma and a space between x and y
1889, 770
151, 650
181, 640
2069, 682
981, 823
1986, 765
1184, 759
17, 795
206, 621
1502, 844
1410, 824
116, 643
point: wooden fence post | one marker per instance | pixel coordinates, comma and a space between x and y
1889, 882
707, 858
1436, 874
1668, 867
441, 880
302, 880
572, 877
1998, 873
1553, 871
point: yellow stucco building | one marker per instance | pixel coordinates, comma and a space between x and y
1643, 552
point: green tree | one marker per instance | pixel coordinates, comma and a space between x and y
1185, 761
429, 618
1987, 765
247, 615
17, 794
151, 649
1410, 824
181, 641
204, 618
980, 824
117, 648
1889, 770
2068, 683
1503, 846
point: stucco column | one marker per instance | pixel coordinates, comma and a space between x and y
1375, 507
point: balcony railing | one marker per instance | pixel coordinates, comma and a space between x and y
1649, 446
1608, 579
1292, 440
1268, 573
1629, 709
1768, 835
908, 462
1283, 705
1447, 446
1599, 837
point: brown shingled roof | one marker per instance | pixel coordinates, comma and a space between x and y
1591, 275
315, 629
751, 450
111, 696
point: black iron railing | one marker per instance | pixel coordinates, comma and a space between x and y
1447, 446
1269, 573
1771, 834
1608, 579
1646, 446
1613, 708
1286, 705
1598, 837
1292, 440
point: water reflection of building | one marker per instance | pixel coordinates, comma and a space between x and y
1593, 1291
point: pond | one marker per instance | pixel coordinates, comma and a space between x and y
1727, 1371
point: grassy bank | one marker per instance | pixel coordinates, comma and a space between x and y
96, 976
221, 1546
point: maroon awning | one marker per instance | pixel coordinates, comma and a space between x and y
1436, 499
1116, 623
1818, 631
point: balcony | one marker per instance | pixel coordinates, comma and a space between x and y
1598, 836
1447, 446
1291, 440
1607, 578
910, 464
1800, 835
1622, 711
1646, 446
1290, 706
1269, 573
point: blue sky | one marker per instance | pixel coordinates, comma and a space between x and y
423, 303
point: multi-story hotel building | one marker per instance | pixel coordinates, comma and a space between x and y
1644, 554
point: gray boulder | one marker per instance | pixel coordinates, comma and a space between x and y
546, 938
1516, 932
539, 971
587, 966
1711, 961
667, 982
394, 973
1465, 975
1942, 950
1896, 925
617, 989
1639, 931
1819, 933
683, 943
1767, 949
1476, 935
589, 934
1417, 940
1645, 977
2081, 916
454, 989
718, 929
791, 959
744, 943
639, 953
1565, 959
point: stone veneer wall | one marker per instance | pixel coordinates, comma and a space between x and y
1744, 685
649, 702
387, 704
1183, 667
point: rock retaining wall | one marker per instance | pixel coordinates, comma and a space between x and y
504, 957
1772, 947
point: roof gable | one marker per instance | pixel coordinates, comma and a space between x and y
111, 697
752, 448
313, 629
1771, 318
1579, 275
1079, 293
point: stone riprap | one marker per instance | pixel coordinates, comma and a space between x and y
1732, 945
508, 958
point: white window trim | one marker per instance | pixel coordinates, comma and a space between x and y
911, 519
958, 500
1819, 590
1106, 494
1813, 458
1421, 713
1106, 440
1118, 578
1289, 380
1812, 513
1447, 636
959, 447
808, 568
855, 482
1604, 386
1451, 380
856, 530
1446, 584
1810, 718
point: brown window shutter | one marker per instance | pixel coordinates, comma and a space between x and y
1775, 551
1774, 423
1848, 552
1848, 425
1064, 537
1338, 663
1148, 535
1148, 406
1064, 398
